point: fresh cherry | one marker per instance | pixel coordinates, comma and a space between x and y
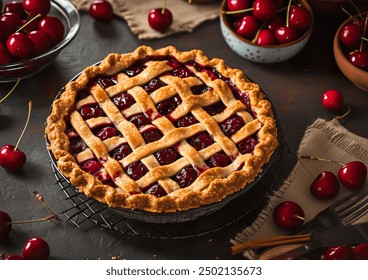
36, 249
360, 251
13, 20
350, 35
101, 10
5, 56
325, 186
288, 215
19, 45
333, 100
285, 34
5, 224
237, 5
353, 175
264, 10
160, 19
359, 59
53, 28
300, 18
15, 7
338, 253
266, 37
41, 42
35, 7
248, 27
11, 158
13, 257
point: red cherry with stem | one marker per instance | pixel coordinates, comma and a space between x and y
248, 27
35, 7
288, 215
53, 28
300, 18
338, 253
160, 19
13, 257
360, 251
325, 186
278, 21
264, 10
266, 38
359, 58
237, 5
11, 158
353, 175
40, 41
29, 26
5, 56
5, 224
333, 100
350, 35
101, 10
19, 45
36, 249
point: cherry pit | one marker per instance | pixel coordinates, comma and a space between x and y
28, 30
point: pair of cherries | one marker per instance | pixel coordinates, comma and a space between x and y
35, 248
358, 252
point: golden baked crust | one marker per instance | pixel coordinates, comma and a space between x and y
212, 185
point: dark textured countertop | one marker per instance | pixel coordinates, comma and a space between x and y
294, 87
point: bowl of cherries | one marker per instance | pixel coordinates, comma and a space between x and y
266, 31
350, 49
32, 34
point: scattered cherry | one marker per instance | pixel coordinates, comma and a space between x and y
101, 10
338, 253
5, 224
288, 215
11, 158
36, 249
333, 100
13, 257
360, 251
325, 186
353, 175
160, 19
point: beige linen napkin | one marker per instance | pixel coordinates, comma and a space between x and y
185, 16
325, 139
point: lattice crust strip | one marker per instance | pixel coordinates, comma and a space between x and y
218, 103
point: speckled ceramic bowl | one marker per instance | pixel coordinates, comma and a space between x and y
357, 76
263, 54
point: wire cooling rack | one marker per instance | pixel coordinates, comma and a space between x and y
87, 213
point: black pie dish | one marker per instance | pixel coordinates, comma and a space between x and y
178, 216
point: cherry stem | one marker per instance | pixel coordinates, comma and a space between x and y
237, 11
25, 126
28, 22
13, 88
364, 30
163, 7
356, 8
40, 198
48, 218
343, 115
299, 217
321, 159
288, 13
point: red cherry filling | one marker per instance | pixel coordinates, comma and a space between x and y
219, 160
77, 146
91, 166
232, 125
247, 145
153, 85
187, 120
182, 72
121, 152
201, 141
156, 190
107, 132
169, 105
139, 120
136, 170
199, 89
104, 82
215, 109
185, 177
166, 156
90, 112
134, 70
123, 100
151, 135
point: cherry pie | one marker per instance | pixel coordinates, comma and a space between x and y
161, 130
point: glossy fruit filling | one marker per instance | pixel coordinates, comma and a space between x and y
118, 148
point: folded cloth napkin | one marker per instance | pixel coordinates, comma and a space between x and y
324, 139
186, 16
